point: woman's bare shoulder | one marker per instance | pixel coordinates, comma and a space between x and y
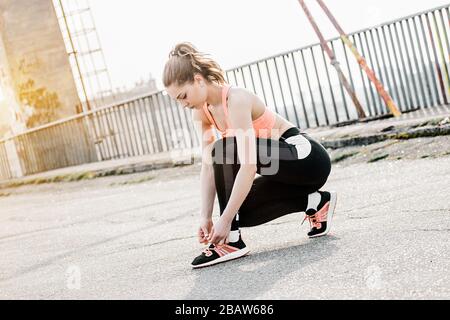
241, 93
243, 96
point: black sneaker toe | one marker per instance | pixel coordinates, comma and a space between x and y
314, 231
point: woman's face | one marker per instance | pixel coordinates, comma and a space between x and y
190, 95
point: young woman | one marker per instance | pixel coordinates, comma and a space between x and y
291, 166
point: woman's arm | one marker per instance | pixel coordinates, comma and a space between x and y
239, 111
208, 188
207, 182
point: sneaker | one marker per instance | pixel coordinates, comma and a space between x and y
320, 221
220, 253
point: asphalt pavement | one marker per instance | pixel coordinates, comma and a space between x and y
122, 238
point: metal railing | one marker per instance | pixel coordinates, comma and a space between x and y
410, 56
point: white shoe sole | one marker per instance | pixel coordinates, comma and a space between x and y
333, 200
228, 257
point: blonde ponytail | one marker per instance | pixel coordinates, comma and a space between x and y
185, 60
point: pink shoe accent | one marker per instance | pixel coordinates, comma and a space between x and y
221, 250
320, 216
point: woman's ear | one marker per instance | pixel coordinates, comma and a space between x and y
199, 79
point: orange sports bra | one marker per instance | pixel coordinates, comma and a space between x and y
262, 126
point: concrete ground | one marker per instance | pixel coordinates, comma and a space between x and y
133, 236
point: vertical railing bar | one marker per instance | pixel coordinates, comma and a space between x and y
148, 118
430, 62
388, 82
294, 107
262, 85
416, 62
236, 83
377, 69
161, 123
408, 87
389, 58
300, 92
152, 108
126, 133
167, 121
251, 77
363, 79
120, 130
410, 65
132, 135
333, 100
444, 60
241, 71
327, 122
281, 88
310, 90
152, 117
172, 102
437, 64
168, 107
349, 75
271, 87
397, 64
375, 99
344, 99
141, 130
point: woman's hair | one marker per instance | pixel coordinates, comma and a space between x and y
185, 61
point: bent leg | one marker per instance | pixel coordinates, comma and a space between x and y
269, 200
292, 188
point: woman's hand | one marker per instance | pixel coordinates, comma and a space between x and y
204, 230
220, 231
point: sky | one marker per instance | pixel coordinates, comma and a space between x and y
137, 35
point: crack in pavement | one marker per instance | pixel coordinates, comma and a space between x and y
66, 254
88, 220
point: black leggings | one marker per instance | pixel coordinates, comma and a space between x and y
289, 169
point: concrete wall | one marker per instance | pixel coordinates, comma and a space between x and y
35, 50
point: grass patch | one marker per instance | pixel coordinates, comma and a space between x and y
404, 136
61, 178
378, 158
4, 194
68, 177
344, 156
87, 175
15, 184
433, 122
136, 181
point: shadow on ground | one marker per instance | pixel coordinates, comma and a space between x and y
253, 276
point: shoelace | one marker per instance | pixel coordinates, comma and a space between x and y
208, 251
221, 250
312, 221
